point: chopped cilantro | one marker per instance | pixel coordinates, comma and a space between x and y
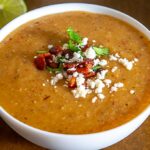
95, 68
101, 50
73, 35
54, 70
73, 47
41, 52
61, 59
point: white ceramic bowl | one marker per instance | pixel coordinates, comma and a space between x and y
72, 142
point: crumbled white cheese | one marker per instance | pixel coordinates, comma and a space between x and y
91, 83
75, 74
125, 62
132, 91
107, 82
96, 62
43, 84
119, 84
115, 87
114, 69
67, 56
80, 91
90, 53
50, 46
76, 57
55, 79
117, 55
102, 74
84, 41
94, 41
101, 96
103, 62
80, 79
99, 86
65, 46
113, 58
94, 99
54, 58
136, 60
59, 76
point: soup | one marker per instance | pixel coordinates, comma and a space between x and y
29, 94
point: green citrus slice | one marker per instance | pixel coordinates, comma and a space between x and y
9, 9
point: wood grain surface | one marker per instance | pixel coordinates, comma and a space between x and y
140, 139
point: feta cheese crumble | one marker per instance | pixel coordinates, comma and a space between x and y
101, 96
115, 87
90, 53
102, 74
103, 62
84, 41
50, 46
125, 62
132, 91
94, 99
107, 82
65, 46
56, 78
114, 69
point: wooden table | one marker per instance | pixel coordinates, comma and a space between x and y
140, 139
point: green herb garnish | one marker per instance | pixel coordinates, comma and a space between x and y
73, 47
101, 50
61, 59
95, 68
74, 36
54, 70
41, 52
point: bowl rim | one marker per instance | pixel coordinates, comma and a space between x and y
83, 7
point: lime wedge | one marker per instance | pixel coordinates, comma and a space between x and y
9, 9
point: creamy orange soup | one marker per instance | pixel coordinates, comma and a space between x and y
26, 92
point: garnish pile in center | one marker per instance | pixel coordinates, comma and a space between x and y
80, 64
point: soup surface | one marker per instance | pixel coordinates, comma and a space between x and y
26, 92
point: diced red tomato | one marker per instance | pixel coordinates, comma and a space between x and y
55, 50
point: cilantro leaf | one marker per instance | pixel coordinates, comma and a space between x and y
73, 47
101, 50
41, 52
55, 70
95, 68
74, 36
61, 59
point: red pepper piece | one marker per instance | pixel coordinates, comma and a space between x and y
69, 65
67, 52
53, 65
40, 62
83, 70
72, 82
85, 47
90, 74
47, 55
55, 50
